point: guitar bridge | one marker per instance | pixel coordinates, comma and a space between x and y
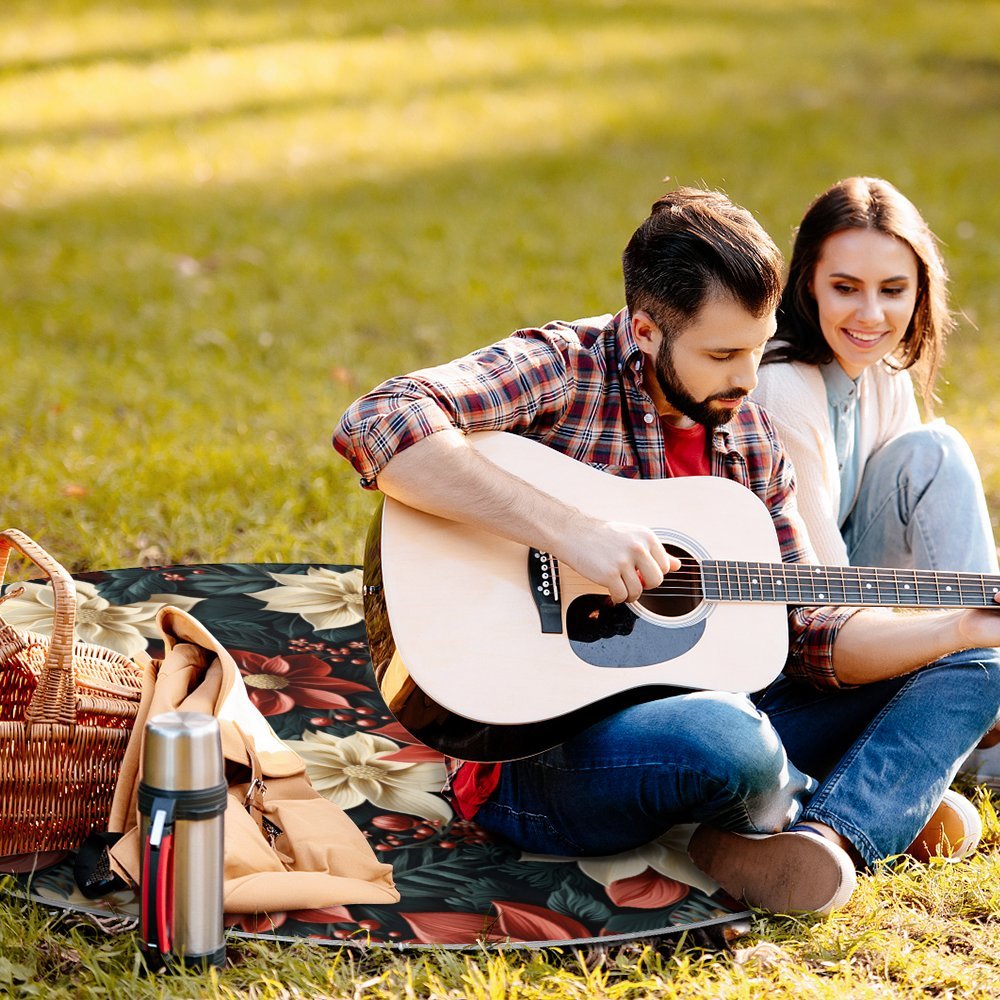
543, 578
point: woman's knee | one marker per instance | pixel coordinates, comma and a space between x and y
923, 454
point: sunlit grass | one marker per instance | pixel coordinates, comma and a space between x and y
219, 222
364, 106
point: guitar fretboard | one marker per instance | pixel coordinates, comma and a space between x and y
794, 583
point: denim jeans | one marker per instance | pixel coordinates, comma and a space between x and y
872, 762
921, 506
885, 752
694, 757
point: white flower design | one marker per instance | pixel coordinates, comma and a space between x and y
667, 855
349, 770
323, 597
125, 628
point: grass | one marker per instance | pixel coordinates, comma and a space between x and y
221, 221
908, 932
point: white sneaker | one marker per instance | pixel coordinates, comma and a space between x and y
953, 832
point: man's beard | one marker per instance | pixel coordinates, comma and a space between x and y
680, 399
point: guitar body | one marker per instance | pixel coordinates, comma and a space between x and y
458, 635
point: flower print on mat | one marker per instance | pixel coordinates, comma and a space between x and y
125, 628
648, 877
513, 921
362, 767
459, 885
277, 684
325, 598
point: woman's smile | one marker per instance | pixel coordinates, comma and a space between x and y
865, 285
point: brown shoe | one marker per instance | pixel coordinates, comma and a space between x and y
953, 831
783, 872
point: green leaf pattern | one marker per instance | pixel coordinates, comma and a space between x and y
449, 872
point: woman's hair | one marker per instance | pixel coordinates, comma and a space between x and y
866, 203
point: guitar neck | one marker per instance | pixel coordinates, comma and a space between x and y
801, 583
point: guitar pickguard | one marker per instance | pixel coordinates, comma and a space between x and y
612, 635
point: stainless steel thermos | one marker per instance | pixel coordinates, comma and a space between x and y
182, 802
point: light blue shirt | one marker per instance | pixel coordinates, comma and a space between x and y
842, 402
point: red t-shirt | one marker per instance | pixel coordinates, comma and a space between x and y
686, 455
686, 450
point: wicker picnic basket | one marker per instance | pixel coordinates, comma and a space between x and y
66, 711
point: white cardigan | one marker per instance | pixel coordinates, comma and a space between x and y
794, 395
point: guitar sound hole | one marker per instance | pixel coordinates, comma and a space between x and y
680, 593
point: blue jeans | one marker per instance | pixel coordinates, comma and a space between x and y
694, 757
885, 752
921, 506
872, 762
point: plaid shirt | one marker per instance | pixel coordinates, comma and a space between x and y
577, 387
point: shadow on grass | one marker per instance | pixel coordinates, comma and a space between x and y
250, 23
184, 350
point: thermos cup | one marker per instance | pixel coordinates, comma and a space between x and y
182, 801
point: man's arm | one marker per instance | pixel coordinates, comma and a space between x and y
444, 475
876, 643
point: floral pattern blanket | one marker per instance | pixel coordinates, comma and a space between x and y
297, 634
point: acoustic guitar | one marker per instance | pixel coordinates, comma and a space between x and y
489, 650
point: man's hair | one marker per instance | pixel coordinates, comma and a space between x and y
874, 204
693, 245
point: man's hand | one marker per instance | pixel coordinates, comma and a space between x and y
624, 558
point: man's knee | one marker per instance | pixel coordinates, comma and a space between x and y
761, 790
967, 682
741, 740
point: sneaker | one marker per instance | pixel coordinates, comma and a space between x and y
789, 872
953, 831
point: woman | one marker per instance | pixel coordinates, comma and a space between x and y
865, 305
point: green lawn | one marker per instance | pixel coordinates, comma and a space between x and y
220, 221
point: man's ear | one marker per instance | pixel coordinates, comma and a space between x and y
646, 333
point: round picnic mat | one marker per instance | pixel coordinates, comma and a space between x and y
297, 634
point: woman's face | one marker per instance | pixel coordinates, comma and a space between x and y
865, 285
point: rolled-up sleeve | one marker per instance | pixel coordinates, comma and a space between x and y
515, 384
382, 423
812, 632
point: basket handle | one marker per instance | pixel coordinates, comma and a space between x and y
54, 700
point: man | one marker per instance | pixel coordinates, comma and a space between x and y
851, 751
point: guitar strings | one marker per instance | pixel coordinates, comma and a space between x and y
690, 581
834, 598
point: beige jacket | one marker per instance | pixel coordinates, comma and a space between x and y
794, 395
